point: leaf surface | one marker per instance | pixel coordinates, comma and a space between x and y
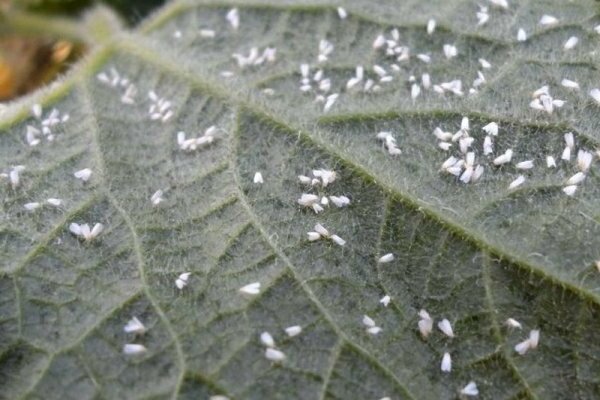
474, 253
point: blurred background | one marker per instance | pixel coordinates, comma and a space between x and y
31, 56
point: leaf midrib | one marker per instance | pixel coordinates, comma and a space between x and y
342, 337
137, 247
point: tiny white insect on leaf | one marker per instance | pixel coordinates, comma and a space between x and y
576, 179
470, 389
233, 17
431, 26
251, 288
570, 84
207, 33
267, 339
500, 3
83, 174
31, 206
182, 280
525, 164
523, 347
426, 80
595, 94
444, 146
338, 240
258, 178
379, 42
425, 327
305, 180
85, 231
340, 201
548, 20
534, 338
294, 330
571, 43
482, 17
185, 276
569, 140
312, 236
446, 365
566, 154
374, 330
385, 300
512, 323
134, 349
521, 35
135, 326
426, 58
321, 230
96, 230
484, 63
274, 355
446, 327
450, 51
54, 202
75, 229
550, 162
488, 145
465, 143
157, 198
517, 182
368, 321
465, 177
36, 110
491, 129
342, 13
423, 314
479, 169
504, 158
389, 257
327, 176
584, 160
415, 91
570, 190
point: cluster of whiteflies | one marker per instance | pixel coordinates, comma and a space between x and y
192, 144
468, 171
321, 179
84, 232
370, 325
83, 174
35, 134
320, 232
317, 203
255, 57
160, 109
389, 142
271, 351
465, 167
13, 175
54, 202
323, 86
115, 80
543, 101
136, 327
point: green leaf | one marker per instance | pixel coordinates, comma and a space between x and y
474, 253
